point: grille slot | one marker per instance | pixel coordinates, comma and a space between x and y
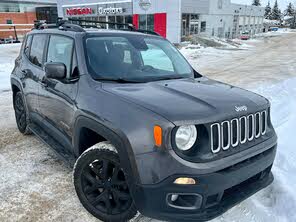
238, 131
258, 125
234, 132
215, 137
251, 127
225, 135
263, 122
243, 129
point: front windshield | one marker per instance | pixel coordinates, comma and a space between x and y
134, 57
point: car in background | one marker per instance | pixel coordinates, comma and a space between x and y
7, 40
274, 29
245, 36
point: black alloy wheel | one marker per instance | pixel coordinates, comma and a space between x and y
20, 113
102, 188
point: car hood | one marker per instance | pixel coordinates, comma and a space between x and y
190, 101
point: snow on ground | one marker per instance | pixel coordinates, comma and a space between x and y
278, 201
36, 186
8, 53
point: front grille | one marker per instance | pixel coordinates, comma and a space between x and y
238, 131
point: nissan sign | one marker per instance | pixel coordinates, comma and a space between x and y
80, 11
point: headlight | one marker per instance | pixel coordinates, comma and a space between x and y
186, 137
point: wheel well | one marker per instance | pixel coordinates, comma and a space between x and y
15, 89
88, 138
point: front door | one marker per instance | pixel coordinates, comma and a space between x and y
32, 70
57, 97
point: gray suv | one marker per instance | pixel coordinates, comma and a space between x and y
144, 131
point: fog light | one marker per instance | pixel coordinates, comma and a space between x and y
174, 197
185, 181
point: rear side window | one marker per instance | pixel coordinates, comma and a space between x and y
37, 49
27, 46
60, 49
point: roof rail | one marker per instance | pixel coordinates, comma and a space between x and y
130, 27
67, 25
81, 21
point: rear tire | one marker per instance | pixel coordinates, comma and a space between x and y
101, 186
21, 115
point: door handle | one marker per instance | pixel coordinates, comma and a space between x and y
25, 72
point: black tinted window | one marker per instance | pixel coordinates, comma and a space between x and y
60, 49
37, 49
28, 45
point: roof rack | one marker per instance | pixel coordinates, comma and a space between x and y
68, 25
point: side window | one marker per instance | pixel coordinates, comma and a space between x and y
60, 49
28, 45
37, 49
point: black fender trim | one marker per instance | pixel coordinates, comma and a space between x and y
118, 139
15, 82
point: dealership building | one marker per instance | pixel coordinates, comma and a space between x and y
173, 19
21, 14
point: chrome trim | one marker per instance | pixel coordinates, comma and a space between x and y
219, 138
237, 132
246, 130
222, 136
259, 125
253, 127
241, 139
265, 123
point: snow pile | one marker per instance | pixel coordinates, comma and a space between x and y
278, 201
281, 194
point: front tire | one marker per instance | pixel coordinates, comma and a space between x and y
21, 115
101, 186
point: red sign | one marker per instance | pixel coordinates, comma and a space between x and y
79, 11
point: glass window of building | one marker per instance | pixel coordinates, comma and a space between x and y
9, 7
203, 26
120, 19
111, 19
146, 22
129, 19
185, 24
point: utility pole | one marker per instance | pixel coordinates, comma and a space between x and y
15, 34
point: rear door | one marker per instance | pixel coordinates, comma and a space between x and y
32, 69
57, 97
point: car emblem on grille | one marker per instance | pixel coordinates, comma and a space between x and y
241, 108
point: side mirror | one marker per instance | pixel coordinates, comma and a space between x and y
55, 70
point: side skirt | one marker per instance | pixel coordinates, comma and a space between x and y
62, 152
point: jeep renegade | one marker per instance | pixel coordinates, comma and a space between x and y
144, 131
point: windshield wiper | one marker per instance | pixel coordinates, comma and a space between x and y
118, 80
168, 78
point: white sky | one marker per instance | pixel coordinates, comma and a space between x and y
282, 3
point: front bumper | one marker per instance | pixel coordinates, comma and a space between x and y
214, 193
